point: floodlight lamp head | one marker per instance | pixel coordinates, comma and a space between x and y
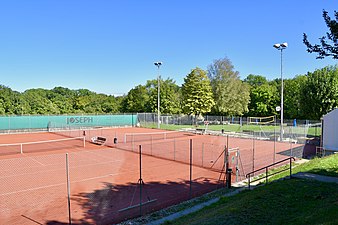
284, 45
276, 46
158, 64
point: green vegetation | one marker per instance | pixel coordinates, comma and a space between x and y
196, 93
324, 166
230, 93
311, 131
290, 201
306, 96
329, 43
286, 202
327, 166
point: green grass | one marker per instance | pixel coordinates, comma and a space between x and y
286, 202
312, 131
327, 166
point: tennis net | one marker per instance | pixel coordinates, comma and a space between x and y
42, 146
144, 137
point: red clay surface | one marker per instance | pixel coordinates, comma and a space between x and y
104, 181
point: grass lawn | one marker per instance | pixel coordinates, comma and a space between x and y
286, 202
327, 166
324, 166
311, 131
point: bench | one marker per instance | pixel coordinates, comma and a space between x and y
99, 140
200, 130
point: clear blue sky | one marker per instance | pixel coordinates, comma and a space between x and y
109, 46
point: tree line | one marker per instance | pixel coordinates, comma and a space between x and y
215, 91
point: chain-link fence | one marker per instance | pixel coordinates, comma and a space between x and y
102, 185
110, 183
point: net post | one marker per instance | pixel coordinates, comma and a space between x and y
84, 141
21, 148
68, 189
132, 143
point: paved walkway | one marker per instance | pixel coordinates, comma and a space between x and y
316, 177
192, 209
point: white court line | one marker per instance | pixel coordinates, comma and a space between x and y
59, 184
35, 160
62, 169
51, 164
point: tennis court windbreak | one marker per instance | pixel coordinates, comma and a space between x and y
53, 121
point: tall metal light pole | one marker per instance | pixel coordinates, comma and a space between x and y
158, 64
281, 47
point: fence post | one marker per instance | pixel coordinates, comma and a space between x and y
290, 168
140, 179
274, 140
249, 181
151, 146
190, 189
68, 190
253, 151
174, 149
202, 153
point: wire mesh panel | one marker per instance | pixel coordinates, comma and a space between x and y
33, 190
41, 146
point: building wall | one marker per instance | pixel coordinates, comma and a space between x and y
330, 130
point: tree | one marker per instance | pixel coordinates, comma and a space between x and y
170, 96
292, 96
319, 95
255, 80
196, 93
136, 100
231, 94
264, 99
328, 44
39, 102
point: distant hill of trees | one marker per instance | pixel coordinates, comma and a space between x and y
59, 100
216, 91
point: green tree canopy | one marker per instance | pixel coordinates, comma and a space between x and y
328, 44
292, 97
319, 95
264, 99
136, 100
255, 80
196, 93
231, 94
170, 96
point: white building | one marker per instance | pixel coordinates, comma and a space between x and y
330, 131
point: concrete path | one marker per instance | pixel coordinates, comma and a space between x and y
316, 177
192, 209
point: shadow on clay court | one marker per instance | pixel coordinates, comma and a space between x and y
115, 203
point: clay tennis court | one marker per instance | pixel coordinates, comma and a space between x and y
104, 180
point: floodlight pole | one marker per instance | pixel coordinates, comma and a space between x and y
281, 47
158, 64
